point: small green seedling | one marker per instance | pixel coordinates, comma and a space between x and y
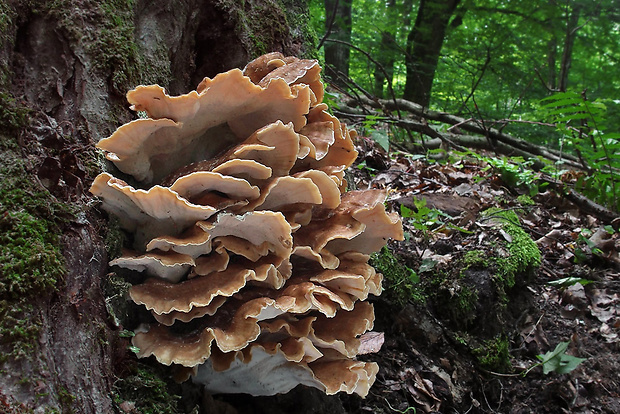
558, 361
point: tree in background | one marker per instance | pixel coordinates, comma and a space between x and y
338, 27
503, 55
424, 46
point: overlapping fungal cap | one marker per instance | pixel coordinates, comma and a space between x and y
254, 257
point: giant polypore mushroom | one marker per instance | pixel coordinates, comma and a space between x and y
253, 254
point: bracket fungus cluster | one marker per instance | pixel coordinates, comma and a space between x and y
252, 253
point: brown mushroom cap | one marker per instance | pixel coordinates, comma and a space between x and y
147, 213
255, 254
197, 126
170, 266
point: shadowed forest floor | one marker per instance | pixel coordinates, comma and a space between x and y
459, 336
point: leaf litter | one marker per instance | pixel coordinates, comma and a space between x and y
560, 320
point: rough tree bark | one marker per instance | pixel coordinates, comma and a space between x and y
64, 69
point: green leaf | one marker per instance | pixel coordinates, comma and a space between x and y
406, 212
569, 281
413, 276
381, 138
564, 102
134, 349
568, 363
558, 361
427, 265
563, 95
573, 117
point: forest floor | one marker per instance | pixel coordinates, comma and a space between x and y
460, 337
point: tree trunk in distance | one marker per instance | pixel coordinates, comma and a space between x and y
424, 46
338, 26
65, 67
385, 55
569, 41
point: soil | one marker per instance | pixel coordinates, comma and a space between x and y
447, 352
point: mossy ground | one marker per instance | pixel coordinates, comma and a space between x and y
472, 291
523, 254
494, 354
400, 283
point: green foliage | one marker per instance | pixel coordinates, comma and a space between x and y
557, 361
569, 281
400, 282
515, 172
426, 220
581, 124
585, 247
498, 58
423, 218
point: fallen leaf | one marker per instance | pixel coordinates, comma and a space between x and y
371, 342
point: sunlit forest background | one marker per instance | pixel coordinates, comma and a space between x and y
543, 71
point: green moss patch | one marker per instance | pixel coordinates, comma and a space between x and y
523, 254
13, 117
31, 261
147, 390
399, 281
476, 259
494, 355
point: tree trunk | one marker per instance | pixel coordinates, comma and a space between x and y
569, 41
338, 27
423, 47
385, 53
64, 69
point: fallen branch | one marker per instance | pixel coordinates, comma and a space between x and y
470, 125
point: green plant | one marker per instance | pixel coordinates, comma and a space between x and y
515, 172
584, 246
581, 125
569, 281
557, 361
423, 218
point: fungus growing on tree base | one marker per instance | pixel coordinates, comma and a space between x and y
253, 255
